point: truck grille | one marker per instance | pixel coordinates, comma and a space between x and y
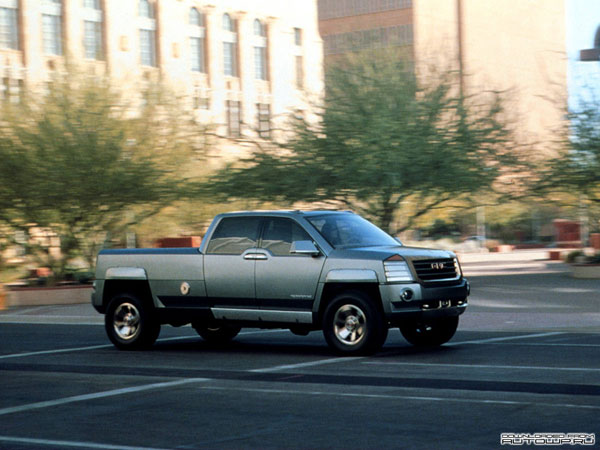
437, 269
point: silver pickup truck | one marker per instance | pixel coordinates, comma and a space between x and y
303, 270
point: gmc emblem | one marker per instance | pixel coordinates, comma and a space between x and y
437, 266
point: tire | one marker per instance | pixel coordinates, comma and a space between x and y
430, 334
353, 325
216, 333
129, 323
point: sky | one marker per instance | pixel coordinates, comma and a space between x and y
583, 78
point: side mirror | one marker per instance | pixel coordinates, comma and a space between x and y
304, 248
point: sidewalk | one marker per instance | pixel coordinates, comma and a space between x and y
80, 314
510, 263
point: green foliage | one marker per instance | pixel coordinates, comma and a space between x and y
572, 177
441, 228
576, 169
80, 164
579, 169
384, 144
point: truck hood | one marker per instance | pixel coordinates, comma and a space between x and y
384, 252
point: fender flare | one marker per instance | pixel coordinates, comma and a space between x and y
351, 276
126, 273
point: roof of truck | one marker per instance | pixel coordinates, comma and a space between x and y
286, 212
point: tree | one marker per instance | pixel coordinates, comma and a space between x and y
577, 168
80, 163
384, 144
572, 177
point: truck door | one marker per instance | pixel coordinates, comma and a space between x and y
229, 262
284, 280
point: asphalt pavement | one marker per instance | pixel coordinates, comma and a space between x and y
526, 359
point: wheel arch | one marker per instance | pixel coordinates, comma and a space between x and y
138, 288
332, 290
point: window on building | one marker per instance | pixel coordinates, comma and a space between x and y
299, 71
264, 119
201, 98
52, 27
298, 59
9, 25
147, 26
234, 118
297, 36
229, 47
92, 29
197, 41
11, 89
260, 50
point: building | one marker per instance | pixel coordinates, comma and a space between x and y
241, 64
350, 25
583, 51
514, 46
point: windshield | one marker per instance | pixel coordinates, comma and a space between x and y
350, 230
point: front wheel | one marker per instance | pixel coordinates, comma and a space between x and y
129, 323
431, 333
353, 325
216, 333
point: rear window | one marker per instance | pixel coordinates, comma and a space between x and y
234, 235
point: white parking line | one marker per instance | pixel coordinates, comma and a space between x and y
319, 362
80, 349
97, 395
483, 366
552, 344
50, 352
76, 444
95, 347
399, 397
505, 338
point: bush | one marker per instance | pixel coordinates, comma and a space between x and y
572, 256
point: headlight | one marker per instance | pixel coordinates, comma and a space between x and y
396, 270
457, 267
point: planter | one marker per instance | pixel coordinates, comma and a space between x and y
585, 270
61, 295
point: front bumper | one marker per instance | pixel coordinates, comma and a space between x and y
417, 302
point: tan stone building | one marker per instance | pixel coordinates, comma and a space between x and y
242, 63
517, 46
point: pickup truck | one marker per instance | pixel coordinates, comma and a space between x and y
300, 270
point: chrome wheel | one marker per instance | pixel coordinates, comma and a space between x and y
126, 321
349, 324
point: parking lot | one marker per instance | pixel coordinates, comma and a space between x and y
526, 359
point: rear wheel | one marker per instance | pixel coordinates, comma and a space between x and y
129, 323
216, 333
431, 333
353, 325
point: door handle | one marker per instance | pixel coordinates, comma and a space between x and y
255, 256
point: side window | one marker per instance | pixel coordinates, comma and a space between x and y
279, 234
234, 235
